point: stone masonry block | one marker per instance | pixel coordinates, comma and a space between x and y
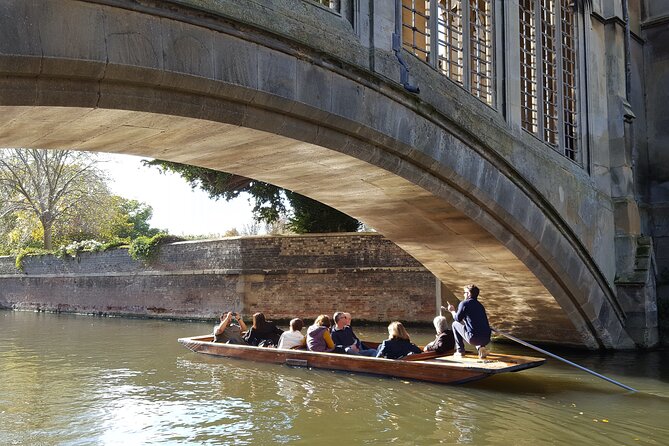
134, 39
187, 50
235, 61
277, 73
347, 99
70, 30
627, 218
18, 36
314, 87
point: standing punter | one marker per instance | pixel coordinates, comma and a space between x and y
470, 323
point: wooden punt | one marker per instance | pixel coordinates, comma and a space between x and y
445, 369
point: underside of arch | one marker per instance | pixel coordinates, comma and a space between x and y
198, 96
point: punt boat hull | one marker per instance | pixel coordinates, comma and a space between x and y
429, 367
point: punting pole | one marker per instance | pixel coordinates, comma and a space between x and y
527, 344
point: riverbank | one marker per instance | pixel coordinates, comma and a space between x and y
285, 277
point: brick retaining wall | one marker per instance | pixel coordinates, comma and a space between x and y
283, 276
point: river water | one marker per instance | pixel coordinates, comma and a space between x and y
83, 380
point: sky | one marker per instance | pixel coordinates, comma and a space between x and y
176, 207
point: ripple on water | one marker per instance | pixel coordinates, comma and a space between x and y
96, 383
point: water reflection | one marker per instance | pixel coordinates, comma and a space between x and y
80, 380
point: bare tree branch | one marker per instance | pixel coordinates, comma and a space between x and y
47, 183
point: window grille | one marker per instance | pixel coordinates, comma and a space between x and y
549, 63
548, 77
569, 83
461, 36
449, 40
415, 27
528, 68
480, 51
332, 4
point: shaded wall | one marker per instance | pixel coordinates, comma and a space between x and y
654, 157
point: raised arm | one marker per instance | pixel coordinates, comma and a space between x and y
225, 320
241, 323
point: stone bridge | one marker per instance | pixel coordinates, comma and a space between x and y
311, 98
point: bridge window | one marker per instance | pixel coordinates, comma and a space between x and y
459, 43
328, 3
415, 27
548, 78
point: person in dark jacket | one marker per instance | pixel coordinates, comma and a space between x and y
345, 339
398, 343
470, 323
263, 333
445, 341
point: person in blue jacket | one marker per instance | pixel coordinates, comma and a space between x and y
470, 323
344, 337
398, 343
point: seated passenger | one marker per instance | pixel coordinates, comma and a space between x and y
318, 335
398, 343
344, 338
294, 337
230, 329
445, 341
263, 333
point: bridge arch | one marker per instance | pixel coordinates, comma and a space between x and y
178, 84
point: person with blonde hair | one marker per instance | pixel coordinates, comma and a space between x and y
318, 335
445, 341
398, 343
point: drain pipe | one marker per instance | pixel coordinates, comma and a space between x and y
397, 48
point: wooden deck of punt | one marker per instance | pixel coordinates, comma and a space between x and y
423, 367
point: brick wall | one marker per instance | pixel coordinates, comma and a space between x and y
285, 277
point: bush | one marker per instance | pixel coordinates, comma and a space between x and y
144, 249
117, 243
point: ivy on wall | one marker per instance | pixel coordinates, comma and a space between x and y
144, 249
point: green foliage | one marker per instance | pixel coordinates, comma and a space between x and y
132, 220
52, 198
119, 219
113, 225
311, 216
269, 204
116, 243
18, 263
71, 250
50, 185
144, 248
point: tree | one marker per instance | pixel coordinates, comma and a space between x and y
132, 219
111, 218
312, 216
269, 201
50, 185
